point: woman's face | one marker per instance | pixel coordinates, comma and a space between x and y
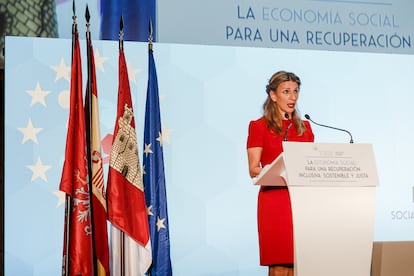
285, 96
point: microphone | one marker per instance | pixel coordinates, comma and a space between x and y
287, 129
350, 135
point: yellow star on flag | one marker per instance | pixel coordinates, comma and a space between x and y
159, 138
160, 223
149, 211
147, 149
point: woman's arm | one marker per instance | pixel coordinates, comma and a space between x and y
253, 155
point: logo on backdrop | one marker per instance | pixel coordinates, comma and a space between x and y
401, 215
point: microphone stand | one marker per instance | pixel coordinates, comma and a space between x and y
350, 135
287, 129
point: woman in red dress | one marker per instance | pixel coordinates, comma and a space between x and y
280, 121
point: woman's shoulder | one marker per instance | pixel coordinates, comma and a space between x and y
307, 123
259, 121
257, 126
308, 131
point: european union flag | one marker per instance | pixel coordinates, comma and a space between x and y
154, 177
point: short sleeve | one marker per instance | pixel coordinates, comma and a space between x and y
255, 134
310, 137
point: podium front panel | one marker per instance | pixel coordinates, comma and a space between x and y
333, 230
332, 189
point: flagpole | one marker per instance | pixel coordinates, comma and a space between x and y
154, 177
88, 119
68, 199
122, 233
68, 208
150, 38
125, 191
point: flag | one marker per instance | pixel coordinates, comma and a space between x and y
154, 177
130, 241
100, 228
77, 246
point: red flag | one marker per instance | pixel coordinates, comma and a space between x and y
100, 228
125, 191
77, 248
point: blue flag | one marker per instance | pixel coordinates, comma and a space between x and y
154, 178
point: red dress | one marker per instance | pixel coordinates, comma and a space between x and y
274, 214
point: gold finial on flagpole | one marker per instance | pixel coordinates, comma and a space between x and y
87, 17
150, 38
121, 33
74, 25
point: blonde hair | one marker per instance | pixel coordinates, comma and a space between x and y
270, 112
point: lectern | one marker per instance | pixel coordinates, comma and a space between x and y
332, 188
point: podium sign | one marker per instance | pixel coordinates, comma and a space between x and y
313, 164
332, 190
